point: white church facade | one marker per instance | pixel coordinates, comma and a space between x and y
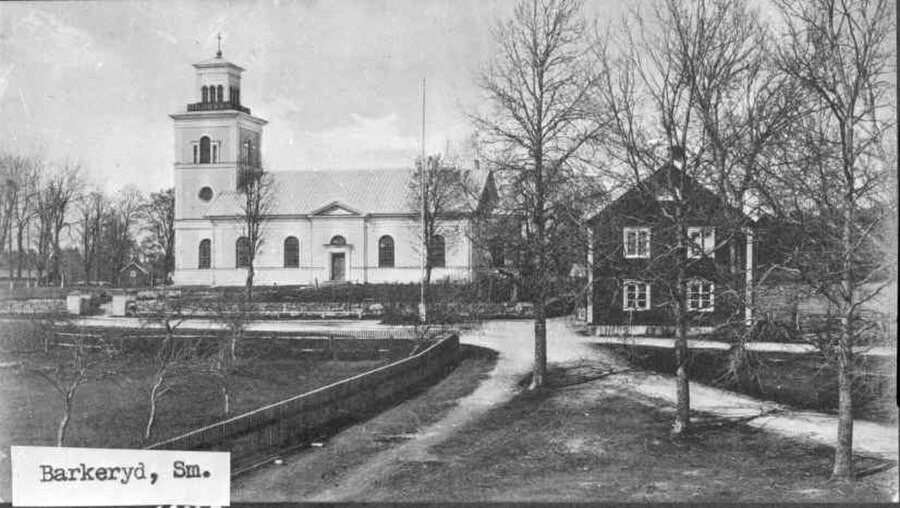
353, 226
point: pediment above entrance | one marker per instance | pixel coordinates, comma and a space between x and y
336, 209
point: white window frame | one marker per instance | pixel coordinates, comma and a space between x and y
707, 244
626, 306
635, 253
698, 299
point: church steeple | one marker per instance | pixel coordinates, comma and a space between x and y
218, 84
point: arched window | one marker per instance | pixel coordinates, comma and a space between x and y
205, 92
436, 255
212, 94
386, 252
204, 255
291, 252
242, 252
338, 240
221, 95
204, 150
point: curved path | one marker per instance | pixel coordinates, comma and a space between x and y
513, 341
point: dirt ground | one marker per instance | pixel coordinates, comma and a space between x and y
595, 441
601, 434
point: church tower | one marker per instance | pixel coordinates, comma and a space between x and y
215, 138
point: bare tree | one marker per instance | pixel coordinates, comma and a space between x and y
257, 195
831, 186
540, 88
444, 204
693, 79
58, 191
20, 176
67, 366
159, 220
122, 222
92, 208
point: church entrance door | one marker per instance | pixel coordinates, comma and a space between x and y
337, 266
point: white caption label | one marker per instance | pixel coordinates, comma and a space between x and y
50, 476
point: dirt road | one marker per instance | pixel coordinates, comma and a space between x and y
513, 341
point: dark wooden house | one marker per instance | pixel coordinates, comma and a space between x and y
135, 275
637, 260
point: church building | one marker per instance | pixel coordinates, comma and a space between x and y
354, 225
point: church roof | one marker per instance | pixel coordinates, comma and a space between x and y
364, 191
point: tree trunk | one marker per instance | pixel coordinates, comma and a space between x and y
540, 346
682, 354
64, 423
154, 398
843, 452
67, 415
682, 384
226, 400
19, 246
249, 284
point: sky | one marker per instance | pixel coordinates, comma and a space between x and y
340, 82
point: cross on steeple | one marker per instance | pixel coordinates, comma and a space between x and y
219, 52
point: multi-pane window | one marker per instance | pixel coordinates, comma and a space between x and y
205, 255
242, 253
437, 257
386, 252
637, 242
701, 295
701, 242
635, 295
291, 252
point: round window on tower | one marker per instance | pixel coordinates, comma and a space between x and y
206, 193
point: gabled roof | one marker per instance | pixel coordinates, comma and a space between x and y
365, 191
134, 264
657, 181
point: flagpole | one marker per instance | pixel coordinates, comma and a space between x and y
424, 249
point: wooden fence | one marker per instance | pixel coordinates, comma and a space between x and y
264, 432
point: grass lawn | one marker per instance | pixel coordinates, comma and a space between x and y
112, 411
590, 441
803, 381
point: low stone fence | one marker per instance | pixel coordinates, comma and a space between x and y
259, 434
42, 306
332, 310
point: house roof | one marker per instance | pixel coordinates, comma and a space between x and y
365, 191
656, 180
134, 264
